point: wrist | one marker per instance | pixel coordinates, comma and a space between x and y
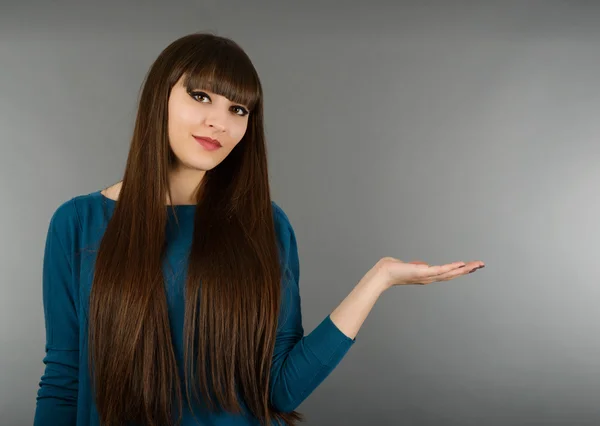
377, 279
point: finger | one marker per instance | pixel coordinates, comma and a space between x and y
452, 274
469, 268
434, 271
475, 265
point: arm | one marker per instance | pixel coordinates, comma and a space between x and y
56, 402
301, 363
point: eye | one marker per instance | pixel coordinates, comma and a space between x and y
241, 111
196, 95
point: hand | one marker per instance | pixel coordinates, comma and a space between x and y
396, 272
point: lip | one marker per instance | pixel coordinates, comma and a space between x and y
208, 143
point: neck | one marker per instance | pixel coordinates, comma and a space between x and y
183, 183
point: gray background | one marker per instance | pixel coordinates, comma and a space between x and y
435, 130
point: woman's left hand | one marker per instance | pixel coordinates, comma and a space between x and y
397, 272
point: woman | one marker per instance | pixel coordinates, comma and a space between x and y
187, 263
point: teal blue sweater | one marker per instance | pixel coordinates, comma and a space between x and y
64, 398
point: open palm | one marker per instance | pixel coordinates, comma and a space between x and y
420, 273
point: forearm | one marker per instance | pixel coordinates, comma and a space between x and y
300, 362
350, 315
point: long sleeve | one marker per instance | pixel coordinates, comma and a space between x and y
56, 402
300, 363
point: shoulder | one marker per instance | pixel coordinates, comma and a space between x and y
279, 214
71, 209
286, 237
63, 229
65, 215
72, 215
283, 225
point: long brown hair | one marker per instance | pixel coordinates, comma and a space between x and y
231, 319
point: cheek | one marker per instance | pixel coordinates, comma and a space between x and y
238, 130
182, 118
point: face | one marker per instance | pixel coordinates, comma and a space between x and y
203, 114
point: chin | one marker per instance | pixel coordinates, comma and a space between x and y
201, 165
198, 160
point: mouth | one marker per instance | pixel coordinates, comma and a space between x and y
208, 143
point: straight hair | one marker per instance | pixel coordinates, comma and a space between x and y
233, 288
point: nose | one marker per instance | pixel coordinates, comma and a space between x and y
216, 120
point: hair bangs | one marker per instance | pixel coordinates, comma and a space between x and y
227, 72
